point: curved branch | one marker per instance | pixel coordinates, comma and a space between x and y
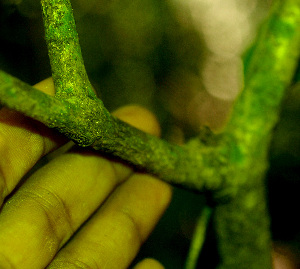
68, 70
24, 98
88, 123
269, 67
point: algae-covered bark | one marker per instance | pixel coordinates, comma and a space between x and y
242, 225
229, 167
88, 123
64, 51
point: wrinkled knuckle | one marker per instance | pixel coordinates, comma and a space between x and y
133, 227
54, 208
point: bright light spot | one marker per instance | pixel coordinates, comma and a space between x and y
223, 77
226, 28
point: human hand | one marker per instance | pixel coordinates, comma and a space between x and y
81, 210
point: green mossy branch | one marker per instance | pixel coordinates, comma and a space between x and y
22, 97
88, 123
269, 70
68, 70
242, 226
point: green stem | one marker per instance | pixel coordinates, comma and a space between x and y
20, 96
198, 238
68, 70
242, 226
269, 69
92, 125
88, 123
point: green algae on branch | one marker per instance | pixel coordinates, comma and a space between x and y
22, 97
103, 131
242, 226
68, 70
84, 119
88, 123
269, 68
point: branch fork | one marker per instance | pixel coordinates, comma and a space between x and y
231, 164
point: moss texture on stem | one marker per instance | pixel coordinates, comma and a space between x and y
68, 70
242, 226
269, 68
88, 123
92, 125
22, 97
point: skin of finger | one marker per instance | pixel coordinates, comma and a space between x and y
149, 264
43, 214
140, 118
51, 205
23, 142
113, 236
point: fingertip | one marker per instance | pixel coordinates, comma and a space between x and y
147, 194
139, 117
149, 263
46, 86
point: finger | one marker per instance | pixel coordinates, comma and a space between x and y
46, 86
23, 142
149, 264
140, 118
52, 204
113, 236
